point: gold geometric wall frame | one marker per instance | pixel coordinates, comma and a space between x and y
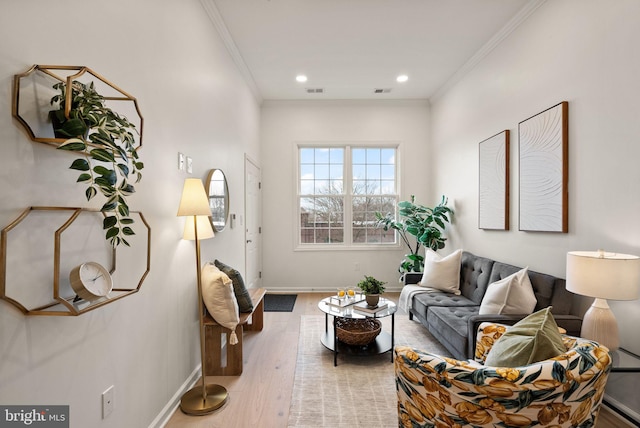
33, 90
62, 301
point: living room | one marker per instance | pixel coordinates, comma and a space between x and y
196, 101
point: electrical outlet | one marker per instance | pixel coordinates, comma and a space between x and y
189, 165
108, 401
180, 162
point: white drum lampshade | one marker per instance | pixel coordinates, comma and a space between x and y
603, 276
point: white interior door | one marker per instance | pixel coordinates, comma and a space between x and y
253, 222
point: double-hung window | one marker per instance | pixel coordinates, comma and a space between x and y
340, 188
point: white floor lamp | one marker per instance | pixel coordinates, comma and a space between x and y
195, 203
603, 276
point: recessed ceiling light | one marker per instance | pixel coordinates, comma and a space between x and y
301, 78
402, 78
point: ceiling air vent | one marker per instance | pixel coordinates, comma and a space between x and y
315, 90
381, 91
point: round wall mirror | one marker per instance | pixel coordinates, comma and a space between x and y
218, 199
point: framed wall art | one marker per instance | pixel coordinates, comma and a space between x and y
543, 152
493, 200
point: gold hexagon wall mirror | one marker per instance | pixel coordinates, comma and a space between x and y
33, 90
54, 240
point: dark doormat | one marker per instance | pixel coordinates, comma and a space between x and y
279, 302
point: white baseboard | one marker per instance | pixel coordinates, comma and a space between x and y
167, 411
621, 407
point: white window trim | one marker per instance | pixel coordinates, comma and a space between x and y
347, 245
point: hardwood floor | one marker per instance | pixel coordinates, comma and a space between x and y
262, 394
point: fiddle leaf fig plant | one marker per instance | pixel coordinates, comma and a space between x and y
426, 226
106, 143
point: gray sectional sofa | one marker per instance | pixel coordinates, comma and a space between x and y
453, 319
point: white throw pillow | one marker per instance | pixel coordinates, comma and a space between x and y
220, 300
442, 273
511, 295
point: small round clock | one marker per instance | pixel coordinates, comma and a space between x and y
91, 281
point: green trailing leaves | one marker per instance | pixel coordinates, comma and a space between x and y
90, 192
124, 169
127, 189
84, 177
100, 170
73, 144
123, 210
106, 139
112, 232
73, 128
80, 165
109, 222
101, 155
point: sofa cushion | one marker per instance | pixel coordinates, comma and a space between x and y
534, 338
442, 273
511, 295
449, 325
440, 298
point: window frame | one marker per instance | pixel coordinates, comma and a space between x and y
348, 195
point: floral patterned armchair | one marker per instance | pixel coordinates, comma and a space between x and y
565, 391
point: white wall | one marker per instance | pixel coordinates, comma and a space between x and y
284, 124
193, 99
584, 52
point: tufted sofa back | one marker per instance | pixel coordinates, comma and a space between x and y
475, 275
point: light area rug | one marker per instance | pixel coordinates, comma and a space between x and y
360, 391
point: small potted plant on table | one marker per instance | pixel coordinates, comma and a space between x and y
372, 288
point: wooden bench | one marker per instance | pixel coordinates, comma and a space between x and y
213, 333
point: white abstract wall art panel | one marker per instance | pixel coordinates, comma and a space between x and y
493, 201
543, 168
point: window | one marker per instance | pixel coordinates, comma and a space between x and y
340, 189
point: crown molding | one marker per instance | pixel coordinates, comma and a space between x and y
522, 15
216, 18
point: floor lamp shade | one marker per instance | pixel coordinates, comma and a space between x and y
205, 231
194, 199
603, 276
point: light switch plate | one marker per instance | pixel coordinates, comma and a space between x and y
180, 162
189, 165
108, 401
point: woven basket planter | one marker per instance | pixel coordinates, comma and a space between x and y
357, 332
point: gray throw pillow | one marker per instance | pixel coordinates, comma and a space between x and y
242, 295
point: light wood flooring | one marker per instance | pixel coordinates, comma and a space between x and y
261, 396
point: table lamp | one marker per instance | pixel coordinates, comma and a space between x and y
603, 276
195, 203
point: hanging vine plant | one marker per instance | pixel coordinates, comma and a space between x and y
106, 142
